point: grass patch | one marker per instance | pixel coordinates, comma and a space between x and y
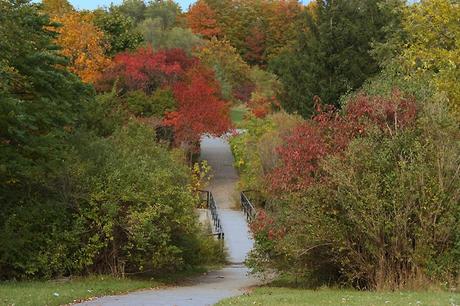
237, 115
287, 296
59, 292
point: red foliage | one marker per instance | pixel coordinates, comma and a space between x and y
300, 155
330, 132
390, 114
265, 225
255, 43
202, 20
199, 108
146, 69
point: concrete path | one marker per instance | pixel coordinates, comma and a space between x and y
217, 285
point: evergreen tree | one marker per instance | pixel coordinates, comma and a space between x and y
40, 102
332, 55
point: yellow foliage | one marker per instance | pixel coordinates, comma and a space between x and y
83, 44
434, 45
200, 176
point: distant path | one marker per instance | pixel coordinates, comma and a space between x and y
215, 286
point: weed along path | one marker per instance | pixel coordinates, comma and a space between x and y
217, 285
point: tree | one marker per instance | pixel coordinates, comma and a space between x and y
135, 9
431, 46
202, 20
276, 21
199, 108
255, 44
167, 12
41, 106
282, 25
57, 7
174, 38
332, 55
231, 71
86, 53
145, 69
118, 30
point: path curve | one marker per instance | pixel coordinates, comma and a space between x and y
217, 285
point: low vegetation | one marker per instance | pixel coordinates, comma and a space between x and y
63, 291
60, 292
277, 296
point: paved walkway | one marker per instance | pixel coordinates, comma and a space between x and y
217, 285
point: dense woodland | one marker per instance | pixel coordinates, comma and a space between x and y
352, 142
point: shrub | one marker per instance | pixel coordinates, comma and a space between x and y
380, 214
157, 104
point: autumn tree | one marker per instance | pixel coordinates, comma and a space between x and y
276, 22
86, 53
255, 44
146, 70
282, 25
199, 109
329, 133
231, 71
57, 7
432, 46
202, 20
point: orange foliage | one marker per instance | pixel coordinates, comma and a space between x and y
202, 20
83, 44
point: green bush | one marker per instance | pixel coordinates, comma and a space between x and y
140, 104
118, 204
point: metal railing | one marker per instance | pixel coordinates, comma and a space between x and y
248, 208
211, 205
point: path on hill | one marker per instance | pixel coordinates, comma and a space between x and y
217, 285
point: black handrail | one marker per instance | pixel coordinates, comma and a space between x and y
211, 205
248, 209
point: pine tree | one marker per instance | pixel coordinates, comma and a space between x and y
332, 56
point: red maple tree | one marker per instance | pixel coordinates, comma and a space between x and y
200, 110
146, 69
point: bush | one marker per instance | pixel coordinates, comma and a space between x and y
139, 214
254, 151
140, 104
383, 214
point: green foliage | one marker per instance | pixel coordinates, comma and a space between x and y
106, 114
166, 12
139, 213
332, 55
40, 101
428, 47
230, 68
141, 104
170, 38
57, 7
134, 9
119, 31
